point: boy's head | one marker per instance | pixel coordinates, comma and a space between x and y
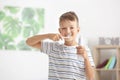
69, 16
69, 25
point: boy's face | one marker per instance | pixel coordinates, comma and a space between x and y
69, 30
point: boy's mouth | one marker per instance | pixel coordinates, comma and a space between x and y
67, 36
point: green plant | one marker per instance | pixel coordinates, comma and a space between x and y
17, 24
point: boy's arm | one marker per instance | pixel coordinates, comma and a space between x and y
35, 41
88, 68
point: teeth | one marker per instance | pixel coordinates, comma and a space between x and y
68, 36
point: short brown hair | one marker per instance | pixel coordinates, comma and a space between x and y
69, 16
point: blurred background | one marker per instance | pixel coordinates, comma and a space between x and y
24, 18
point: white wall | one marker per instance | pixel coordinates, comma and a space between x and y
23, 65
97, 18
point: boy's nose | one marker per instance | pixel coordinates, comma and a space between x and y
68, 30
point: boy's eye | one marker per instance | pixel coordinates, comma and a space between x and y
63, 28
71, 27
66, 28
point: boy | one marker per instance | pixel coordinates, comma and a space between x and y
67, 61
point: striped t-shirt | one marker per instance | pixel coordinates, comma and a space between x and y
64, 63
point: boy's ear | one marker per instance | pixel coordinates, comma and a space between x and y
78, 29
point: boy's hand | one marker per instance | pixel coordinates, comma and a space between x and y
54, 37
81, 51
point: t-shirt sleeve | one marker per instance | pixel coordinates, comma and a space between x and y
45, 47
90, 56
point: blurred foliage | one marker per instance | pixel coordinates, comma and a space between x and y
12, 9
11, 26
2, 15
17, 24
6, 42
